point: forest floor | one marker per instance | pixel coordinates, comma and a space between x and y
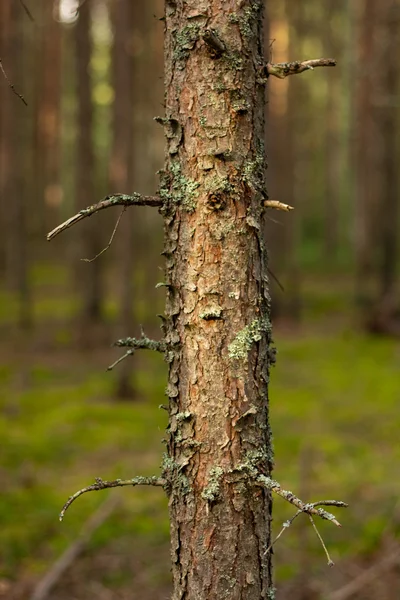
335, 417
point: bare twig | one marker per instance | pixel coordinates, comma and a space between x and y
330, 561
26, 9
274, 277
50, 579
103, 485
114, 200
143, 343
278, 205
282, 70
285, 526
111, 239
288, 523
129, 352
10, 85
308, 508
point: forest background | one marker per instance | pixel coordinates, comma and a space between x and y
92, 79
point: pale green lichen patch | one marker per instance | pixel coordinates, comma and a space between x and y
185, 40
179, 189
271, 593
213, 489
241, 345
211, 313
183, 416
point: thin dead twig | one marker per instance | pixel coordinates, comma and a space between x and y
103, 485
282, 70
111, 239
10, 85
53, 575
330, 561
143, 343
114, 200
313, 508
278, 205
26, 9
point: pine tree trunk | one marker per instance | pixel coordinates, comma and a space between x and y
89, 277
121, 170
217, 311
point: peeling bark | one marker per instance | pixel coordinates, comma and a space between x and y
217, 326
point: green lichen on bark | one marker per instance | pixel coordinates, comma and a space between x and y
241, 345
172, 472
211, 313
177, 189
185, 40
247, 20
213, 489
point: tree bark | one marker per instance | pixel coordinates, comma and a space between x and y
217, 311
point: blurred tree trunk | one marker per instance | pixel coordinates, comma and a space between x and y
366, 159
48, 118
280, 162
121, 168
333, 132
89, 276
14, 121
386, 313
217, 311
5, 130
296, 148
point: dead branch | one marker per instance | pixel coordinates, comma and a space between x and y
214, 42
114, 200
111, 239
308, 508
278, 205
143, 343
53, 575
282, 70
103, 485
10, 85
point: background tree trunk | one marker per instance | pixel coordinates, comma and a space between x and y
89, 277
121, 169
217, 308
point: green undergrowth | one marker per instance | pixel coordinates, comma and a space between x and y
334, 414
335, 418
57, 438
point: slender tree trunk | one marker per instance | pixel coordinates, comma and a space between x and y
390, 132
89, 276
386, 310
217, 311
17, 272
121, 169
47, 142
365, 150
333, 134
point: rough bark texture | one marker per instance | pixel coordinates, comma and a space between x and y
217, 313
